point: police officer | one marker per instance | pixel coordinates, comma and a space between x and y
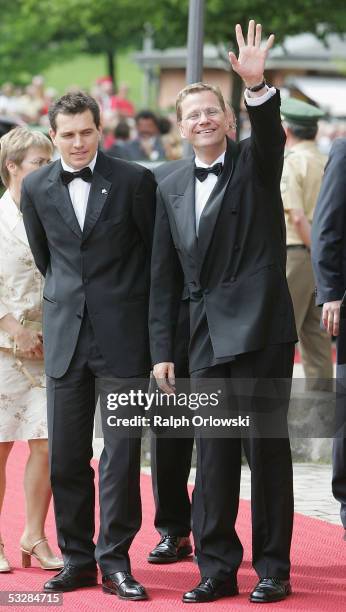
300, 185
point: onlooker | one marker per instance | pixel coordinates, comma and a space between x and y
148, 145
329, 262
300, 185
122, 137
121, 103
22, 392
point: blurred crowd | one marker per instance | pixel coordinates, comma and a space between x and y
129, 133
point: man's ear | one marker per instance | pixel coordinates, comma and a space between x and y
52, 135
181, 130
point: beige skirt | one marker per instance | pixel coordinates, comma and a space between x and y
23, 407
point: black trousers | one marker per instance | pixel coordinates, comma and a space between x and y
216, 494
171, 457
339, 443
71, 409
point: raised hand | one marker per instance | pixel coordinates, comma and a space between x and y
251, 61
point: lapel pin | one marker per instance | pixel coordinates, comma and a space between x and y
104, 191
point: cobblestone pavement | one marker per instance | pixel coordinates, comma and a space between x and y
312, 490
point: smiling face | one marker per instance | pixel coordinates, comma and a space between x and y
204, 124
76, 138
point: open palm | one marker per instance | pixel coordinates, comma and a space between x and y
251, 61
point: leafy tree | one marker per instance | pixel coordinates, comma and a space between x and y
33, 33
30, 39
282, 18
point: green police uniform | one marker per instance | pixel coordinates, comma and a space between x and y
300, 185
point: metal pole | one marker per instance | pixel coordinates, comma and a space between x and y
195, 38
148, 45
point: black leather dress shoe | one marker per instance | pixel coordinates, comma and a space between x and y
210, 589
170, 549
124, 586
270, 589
72, 577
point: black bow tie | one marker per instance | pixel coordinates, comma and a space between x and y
202, 173
85, 174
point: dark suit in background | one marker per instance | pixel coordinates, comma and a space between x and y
135, 151
242, 325
329, 263
94, 326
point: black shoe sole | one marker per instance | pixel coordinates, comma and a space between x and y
183, 552
230, 593
270, 600
72, 588
133, 598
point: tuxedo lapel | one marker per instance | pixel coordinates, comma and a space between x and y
99, 192
60, 197
183, 206
212, 208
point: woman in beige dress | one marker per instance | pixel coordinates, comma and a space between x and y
22, 392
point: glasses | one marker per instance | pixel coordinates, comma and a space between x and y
210, 113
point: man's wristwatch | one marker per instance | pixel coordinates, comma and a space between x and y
257, 87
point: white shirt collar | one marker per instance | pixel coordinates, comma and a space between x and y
219, 159
69, 169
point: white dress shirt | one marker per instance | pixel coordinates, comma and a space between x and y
204, 188
79, 191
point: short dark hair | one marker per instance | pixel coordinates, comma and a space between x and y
73, 104
302, 132
165, 125
122, 130
147, 114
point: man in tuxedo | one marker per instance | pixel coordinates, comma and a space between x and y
329, 263
220, 226
89, 220
171, 457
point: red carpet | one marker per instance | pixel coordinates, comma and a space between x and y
318, 559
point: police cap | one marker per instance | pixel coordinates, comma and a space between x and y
300, 113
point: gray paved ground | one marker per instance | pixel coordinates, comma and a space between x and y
312, 491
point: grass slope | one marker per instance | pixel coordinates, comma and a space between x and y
83, 70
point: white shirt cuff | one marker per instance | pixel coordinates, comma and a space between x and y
271, 91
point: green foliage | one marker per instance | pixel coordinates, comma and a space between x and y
30, 38
33, 33
282, 18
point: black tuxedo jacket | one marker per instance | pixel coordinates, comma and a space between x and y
328, 248
106, 266
236, 269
